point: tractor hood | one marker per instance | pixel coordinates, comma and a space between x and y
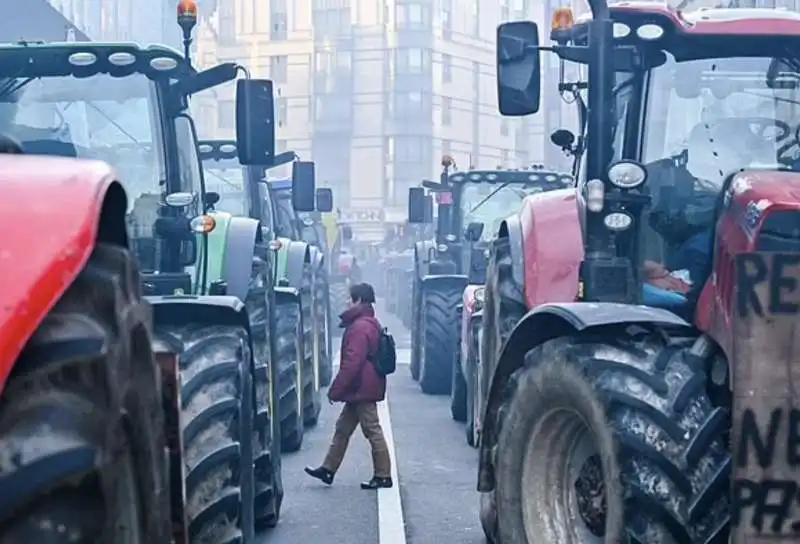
766, 206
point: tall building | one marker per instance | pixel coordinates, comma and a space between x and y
33, 21
375, 92
141, 21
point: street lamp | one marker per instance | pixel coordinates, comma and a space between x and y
187, 19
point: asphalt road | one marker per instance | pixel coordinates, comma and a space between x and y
437, 502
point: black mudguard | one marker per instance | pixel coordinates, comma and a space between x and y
544, 323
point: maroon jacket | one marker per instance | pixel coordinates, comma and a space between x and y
358, 379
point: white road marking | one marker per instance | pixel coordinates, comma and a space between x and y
391, 524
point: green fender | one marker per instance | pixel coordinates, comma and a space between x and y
282, 258
215, 246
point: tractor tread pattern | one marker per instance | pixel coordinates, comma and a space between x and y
61, 411
290, 409
213, 359
440, 326
674, 464
311, 397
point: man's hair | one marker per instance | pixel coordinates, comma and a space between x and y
362, 292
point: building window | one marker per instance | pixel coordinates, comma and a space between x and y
503, 127
413, 16
279, 68
505, 11
505, 158
279, 18
227, 23
447, 148
447, 19
447, 68
226, 114
281, 112
447, 111
407, 104
476, 21
412, 60
408, 149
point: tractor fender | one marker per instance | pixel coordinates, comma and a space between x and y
445, 281
215, 245
237, 267
67, 205
297, 256
511, 228
422, 257
541, 324
182, 309
286, 293
316, 257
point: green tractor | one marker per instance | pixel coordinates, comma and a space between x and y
129, 106
294, 327
297, 205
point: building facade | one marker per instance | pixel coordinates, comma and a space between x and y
374, 92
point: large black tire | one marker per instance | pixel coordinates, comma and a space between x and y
458, 386
474, 399
635, 408
217, 416
439, 339
503, 308
339, 297
288, 350
266, 439
416, 328
309, 375
81, 419
322, 343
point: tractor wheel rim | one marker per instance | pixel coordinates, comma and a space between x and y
563, 492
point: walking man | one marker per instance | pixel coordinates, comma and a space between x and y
360, 387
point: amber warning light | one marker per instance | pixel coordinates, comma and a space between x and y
187, 9
563, 19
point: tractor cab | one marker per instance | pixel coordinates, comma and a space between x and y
703, 107
472, 204
128, 106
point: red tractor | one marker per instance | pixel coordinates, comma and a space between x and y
607, 336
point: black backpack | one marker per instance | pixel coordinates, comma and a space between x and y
385, 360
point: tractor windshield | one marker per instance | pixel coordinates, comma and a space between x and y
284, 214
717, 116
491, 203
229, 183
99, 117
706, 119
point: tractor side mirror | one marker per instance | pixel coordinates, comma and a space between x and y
519, 70
304, 181
416, 205
324, 199
562, 138
473, 231
428, 209
255, 122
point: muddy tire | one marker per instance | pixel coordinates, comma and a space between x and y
614, 429
474, 400
309, 371
458, 392
416, 329
288, 349
503, 308
339, 296
81, 427
322, 334
266, 437
439, 339
217, 416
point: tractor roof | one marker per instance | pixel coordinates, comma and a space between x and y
88, 58
533, 175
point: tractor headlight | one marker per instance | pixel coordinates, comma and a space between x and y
441, 248
480, 294
627, 174
450, 237
618, 221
